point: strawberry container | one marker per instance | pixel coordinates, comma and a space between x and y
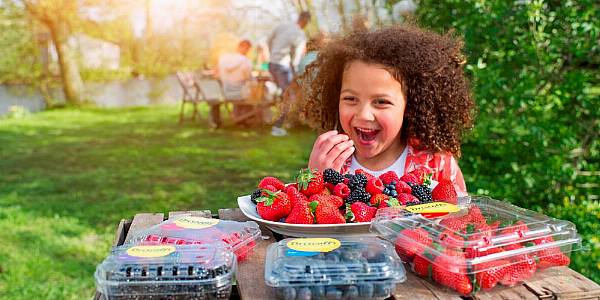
329, 268
166, 272
239, 237
484, 244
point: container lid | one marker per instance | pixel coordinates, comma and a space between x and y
331, 261
239, 237
481, 231
133, 266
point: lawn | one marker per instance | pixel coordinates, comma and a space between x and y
68, 176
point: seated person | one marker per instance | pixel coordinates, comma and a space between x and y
235, 71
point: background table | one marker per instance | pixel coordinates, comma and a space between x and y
553, 283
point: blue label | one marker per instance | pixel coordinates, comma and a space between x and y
291, 252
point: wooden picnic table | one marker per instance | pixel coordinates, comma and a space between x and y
553, 283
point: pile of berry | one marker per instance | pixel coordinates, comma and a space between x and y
441, 253
329, 197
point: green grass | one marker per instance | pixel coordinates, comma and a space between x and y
68, 176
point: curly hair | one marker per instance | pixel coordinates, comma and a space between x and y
429, 66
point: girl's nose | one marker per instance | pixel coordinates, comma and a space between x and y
365, 113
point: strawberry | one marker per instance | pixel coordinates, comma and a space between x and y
300, 214
405, 198
310, 182
451, 240
418, 176
517, 229
449, 270
475, 214
520, 271
492, 272
445, 192
328, 214
411, 241
329, 186
377, 199
403, 187
456, 223
421, 266
550, 257
327, 199
273, 206
361, 171
374, 186
388, 177
391, 202
360, 212
341, 190
324, 191
278, 184
294, 195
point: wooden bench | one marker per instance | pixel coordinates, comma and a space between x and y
553, 283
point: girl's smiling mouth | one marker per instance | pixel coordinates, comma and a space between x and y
366, 135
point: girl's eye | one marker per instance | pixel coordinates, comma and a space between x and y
382, 101
348, 98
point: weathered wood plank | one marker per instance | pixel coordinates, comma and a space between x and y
562, 283
122, 230
251, 272
507, 293
196, 213
418, 288
143, 221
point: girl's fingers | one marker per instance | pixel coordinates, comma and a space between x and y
330, 140
341, 159
336, 150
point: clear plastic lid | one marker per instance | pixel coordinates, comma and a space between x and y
329, 261
239, 237
483, 231
162, 270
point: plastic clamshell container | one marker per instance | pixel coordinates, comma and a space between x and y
485, 244
239, 237
353, 268
166, 272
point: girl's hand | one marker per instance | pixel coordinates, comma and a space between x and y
330, 150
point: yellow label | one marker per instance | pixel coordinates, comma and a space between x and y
433, 207
314, 244
151, 251
195, 222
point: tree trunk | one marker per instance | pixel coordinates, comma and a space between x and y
69, 70
342, 13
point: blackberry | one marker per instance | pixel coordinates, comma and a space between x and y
358, 195
255, 195
359, 181
422, 192
332, 176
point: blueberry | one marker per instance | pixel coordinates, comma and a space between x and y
304, 293
351, 292
382, 289
289, 293
365, 290
394, 193
318, 292
333, 293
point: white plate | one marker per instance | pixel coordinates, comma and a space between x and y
304, 230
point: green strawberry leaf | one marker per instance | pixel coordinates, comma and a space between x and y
393, 202
269, 201
313, 206
349, 214
303, 178
427, 179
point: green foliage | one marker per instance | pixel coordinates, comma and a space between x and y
18, 49
535, 67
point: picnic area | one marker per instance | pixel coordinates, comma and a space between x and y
142, 126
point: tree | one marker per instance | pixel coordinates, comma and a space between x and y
58, 17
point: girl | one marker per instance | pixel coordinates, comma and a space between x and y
391, 99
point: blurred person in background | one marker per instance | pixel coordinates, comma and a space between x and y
235, 71
287, 45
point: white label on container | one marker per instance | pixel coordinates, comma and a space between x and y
195, 222
151, 251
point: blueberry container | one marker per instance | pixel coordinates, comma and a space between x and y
479, 246
166, 272
333, 268
239, 237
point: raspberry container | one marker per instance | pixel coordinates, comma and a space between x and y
239, 237
329, 268
166, 272
484, 244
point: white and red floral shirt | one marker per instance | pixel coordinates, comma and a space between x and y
441, 165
